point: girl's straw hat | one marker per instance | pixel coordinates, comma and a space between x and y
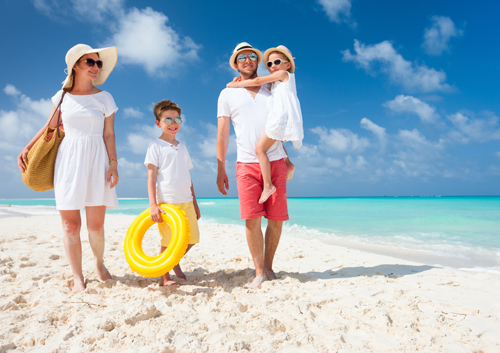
109, 56
283, 50
239, 48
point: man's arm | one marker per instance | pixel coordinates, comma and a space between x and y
223, 130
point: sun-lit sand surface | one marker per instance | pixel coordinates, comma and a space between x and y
328, 298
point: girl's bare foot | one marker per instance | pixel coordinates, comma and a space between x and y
179, 273
266, 193
290, 168
256, 283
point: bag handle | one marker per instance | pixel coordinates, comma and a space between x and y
58, 115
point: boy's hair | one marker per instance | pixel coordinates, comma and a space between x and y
163, 106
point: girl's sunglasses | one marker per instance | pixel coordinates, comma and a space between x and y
91, 62
276, 62
169, 121
243, 57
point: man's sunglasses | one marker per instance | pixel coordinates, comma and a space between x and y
243, 57
169, 121
276, 62
91, 62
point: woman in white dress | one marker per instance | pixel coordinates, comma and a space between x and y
86, 169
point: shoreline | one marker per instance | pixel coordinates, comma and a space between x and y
328, 298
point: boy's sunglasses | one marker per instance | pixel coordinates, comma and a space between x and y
169, 121
243, 57
91, 62
276, 62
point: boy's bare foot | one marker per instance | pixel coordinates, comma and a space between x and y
103, 273
266, 193
290, 168
270, 275
256, 283
166, 281
179, 273
77, 285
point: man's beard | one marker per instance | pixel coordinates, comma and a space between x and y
249, 75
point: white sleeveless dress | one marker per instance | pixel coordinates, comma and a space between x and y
284, 122
82, 161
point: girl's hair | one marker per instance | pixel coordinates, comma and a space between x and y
72, 75
163, 106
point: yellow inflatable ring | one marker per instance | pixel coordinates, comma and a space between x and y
156, 266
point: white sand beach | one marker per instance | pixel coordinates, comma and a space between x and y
328, 299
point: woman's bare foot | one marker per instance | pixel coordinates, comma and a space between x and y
256, 283
266, 193
290, 168
179, 273
77, 285
166, 281
103, 273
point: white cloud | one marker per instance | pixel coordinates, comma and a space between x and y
376, 130
85, 11
337, 10
411, 76
474, 129
497, 154
437, 37
10, 90
132, 169
340, 140
409, 104
207, 142
132, 113
143, 38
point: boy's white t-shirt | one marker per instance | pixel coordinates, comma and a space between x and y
173, 181
249, 116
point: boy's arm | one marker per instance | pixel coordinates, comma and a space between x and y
155, 210
259, 81
195, 204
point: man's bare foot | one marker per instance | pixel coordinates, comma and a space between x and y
266, 193
166, 281
290, 168
179, 273
256, 283
103, 273
270, 275
77, 285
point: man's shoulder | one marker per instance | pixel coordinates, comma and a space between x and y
229, 91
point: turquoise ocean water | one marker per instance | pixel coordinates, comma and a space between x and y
451, 231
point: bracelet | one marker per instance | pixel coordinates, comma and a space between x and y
113, 160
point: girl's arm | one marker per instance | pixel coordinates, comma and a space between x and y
109, 141
24, 154
195, 204
281, 75
155, 210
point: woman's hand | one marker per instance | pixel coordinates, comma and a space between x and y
156, 212
21, 159
113, 174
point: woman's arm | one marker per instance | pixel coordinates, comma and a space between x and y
109, 141
23, 155
259, 81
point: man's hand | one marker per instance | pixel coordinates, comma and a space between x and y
222, 182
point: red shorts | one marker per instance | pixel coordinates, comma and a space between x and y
250, 184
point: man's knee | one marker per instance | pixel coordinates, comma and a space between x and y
275, 226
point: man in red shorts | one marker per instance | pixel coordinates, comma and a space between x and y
247, 109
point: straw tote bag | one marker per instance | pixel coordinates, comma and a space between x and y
41, 159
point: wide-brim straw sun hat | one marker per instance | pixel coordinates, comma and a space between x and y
283, 50
108, 56
241, 47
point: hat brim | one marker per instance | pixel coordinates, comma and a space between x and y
232, 59
109, 57
282, 51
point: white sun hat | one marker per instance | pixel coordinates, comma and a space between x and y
283, 50
241, 47
108, 56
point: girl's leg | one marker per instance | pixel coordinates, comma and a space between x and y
265, 166
71, 223
95, 226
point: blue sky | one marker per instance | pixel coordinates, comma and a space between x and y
398, 97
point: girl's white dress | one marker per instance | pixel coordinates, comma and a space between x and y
82, 161
284, 122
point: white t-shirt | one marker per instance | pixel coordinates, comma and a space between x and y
173, 181
249, 116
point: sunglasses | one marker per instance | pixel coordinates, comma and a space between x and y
276, 62
243, 57
91, 62
169, 121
